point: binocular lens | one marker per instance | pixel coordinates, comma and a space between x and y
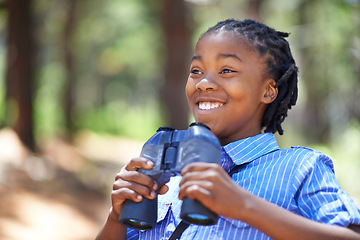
192, 211
139, 215
137, 224
198, 219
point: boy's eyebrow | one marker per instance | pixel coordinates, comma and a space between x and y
229, 55
196, 57
222, 55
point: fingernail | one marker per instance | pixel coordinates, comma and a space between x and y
152, 194
155, 187
139, 197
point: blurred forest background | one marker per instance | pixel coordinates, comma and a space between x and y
84, 83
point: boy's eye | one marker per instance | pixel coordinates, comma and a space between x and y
195, 71
226, 70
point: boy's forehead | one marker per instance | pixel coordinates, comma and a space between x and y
228, 42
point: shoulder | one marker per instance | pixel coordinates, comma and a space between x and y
306, 157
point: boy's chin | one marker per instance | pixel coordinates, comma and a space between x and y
209, 124
202, 120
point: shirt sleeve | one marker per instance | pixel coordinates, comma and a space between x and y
320, 197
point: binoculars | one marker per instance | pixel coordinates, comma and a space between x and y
170, 150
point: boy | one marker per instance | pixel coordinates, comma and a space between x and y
242, 81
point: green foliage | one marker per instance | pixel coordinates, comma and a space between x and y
119, 118
117, 58
48, 118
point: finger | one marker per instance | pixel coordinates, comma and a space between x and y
119, 196
212, 174
140, 189
163, 189
191, 176
196, 190
137, 177
198, 167
139, 162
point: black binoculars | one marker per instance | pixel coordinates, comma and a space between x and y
170, 150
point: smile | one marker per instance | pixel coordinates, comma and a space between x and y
209, 105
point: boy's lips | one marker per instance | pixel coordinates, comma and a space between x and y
208, 103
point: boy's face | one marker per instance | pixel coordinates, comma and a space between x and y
226, 88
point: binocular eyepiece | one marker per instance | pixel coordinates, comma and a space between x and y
170, 150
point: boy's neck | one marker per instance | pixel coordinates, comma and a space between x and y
225, 141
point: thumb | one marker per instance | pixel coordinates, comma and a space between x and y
163, 189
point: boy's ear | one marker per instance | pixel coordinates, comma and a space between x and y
270, 92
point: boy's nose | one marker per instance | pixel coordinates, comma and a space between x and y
206, 85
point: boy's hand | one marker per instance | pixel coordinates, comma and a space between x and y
134, 185
214, 188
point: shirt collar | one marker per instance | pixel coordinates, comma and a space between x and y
251, 148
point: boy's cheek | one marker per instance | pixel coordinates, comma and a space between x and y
189, 88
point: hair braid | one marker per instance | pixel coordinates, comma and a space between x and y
271, 45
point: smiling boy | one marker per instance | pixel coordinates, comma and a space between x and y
242, 81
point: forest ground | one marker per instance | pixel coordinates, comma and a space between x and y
61, 193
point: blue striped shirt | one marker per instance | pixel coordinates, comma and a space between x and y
298, 179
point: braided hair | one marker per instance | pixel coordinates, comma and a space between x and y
281, 66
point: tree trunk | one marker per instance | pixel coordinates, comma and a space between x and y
314, 124
69, 60
3, 4
20, 68
177, 35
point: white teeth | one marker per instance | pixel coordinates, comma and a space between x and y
209, 105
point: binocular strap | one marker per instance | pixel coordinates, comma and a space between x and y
179, 230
